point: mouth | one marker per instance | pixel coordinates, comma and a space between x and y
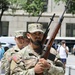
38, 41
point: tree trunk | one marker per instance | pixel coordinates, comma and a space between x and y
1, 22
1, 15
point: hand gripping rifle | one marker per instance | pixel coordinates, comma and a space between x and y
51, 39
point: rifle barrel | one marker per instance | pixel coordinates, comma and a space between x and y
52, 37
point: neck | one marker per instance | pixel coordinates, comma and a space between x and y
20, 47
36, 48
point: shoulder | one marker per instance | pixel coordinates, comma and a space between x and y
56, 70
9, 50
24, 52
26, 49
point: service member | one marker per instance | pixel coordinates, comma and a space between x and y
21, 41
29, 61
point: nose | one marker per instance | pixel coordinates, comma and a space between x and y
38, 35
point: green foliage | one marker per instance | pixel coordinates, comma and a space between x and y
4, 5
60, 0
71, 7
34, 7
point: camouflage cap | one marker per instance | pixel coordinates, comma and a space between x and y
20, 33
34, 27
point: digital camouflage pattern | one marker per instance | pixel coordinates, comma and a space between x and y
26, 61
6, 60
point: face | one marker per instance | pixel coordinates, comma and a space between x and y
21, 41
36, 36
26, 41
64, 44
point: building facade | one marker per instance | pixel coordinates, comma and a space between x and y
20, 20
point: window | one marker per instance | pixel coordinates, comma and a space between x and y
4, 28
70, 30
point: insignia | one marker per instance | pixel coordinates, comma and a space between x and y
37, 27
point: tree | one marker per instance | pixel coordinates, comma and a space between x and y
33, 7
71, 7
4, 5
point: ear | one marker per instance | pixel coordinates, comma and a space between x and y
28, 35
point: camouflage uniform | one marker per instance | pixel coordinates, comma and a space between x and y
5, 62
26, 62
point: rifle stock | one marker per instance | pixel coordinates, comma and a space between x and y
51, 39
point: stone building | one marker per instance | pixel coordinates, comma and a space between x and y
19, 20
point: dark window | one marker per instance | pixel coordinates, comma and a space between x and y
70, 30
4, 28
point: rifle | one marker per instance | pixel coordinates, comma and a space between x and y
51, 39
47, 30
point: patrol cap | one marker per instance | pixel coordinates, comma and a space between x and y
34, 27
20, 33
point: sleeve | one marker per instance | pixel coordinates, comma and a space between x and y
25, 72
5, 63
67, 48
58, 49
55, 70
17, 69
3, 50
73, 46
